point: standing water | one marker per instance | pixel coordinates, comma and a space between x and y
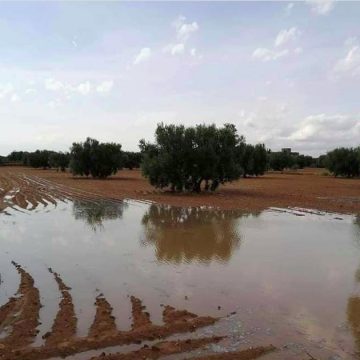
278, 274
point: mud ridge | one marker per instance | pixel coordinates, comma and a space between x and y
161, 349
64, 327
104, 322
22, 314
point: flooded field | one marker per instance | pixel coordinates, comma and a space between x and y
284, 277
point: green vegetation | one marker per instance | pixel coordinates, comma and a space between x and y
59, 160
285, 159
344, 162
91, 157
39, 159
132, 160
199, 158
253, 159
186, 158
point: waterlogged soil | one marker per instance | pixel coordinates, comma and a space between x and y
88, 278
303, 188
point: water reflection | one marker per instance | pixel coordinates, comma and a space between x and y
95, 212
353, 305
191, 234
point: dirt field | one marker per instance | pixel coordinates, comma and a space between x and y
306, 189
24, 188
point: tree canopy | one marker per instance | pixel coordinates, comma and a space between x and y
192, 158
91, 157
344, 161
59, 160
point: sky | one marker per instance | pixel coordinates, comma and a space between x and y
287, 74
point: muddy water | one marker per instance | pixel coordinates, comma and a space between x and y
278, 270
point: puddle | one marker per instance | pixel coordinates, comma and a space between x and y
300, 268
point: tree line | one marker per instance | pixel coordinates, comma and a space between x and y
344, 162
197, 158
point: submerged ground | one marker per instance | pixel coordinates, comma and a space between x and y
78, 266
305, 188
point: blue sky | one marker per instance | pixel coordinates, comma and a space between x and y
286, 73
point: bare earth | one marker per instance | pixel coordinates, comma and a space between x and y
306, 189
28, 188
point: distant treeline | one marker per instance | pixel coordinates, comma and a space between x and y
47, 159
186, 158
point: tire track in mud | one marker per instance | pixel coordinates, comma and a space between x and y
21, 313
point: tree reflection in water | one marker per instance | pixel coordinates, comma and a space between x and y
353, 305
191, 234
95, 212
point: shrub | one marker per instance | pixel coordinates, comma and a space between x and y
39, 159
344, 161
192, 158
99, 160
59, 160
131, 160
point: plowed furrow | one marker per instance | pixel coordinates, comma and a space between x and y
104, 322
64, 327
25, 314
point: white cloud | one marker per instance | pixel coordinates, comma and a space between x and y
321, 7
84, 88
6, 89
298, 50
286, 35
183, 32
350, 64
194, 53
183, 29
142, 56
323, 129
265, 54
30, 91
53, 85
175, 49
15, 98
105, 86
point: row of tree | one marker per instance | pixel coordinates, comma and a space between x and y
186, 158
59, 160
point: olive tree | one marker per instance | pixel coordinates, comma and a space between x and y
344, 161
192, 158
100, 160
59, 160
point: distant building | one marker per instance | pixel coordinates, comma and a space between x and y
288, 151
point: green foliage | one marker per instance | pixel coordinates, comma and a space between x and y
189, 158
132, 160
99, 160
281, 160
39, 159
59, 160
302, 161
344, 161
320, 162
253, 159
